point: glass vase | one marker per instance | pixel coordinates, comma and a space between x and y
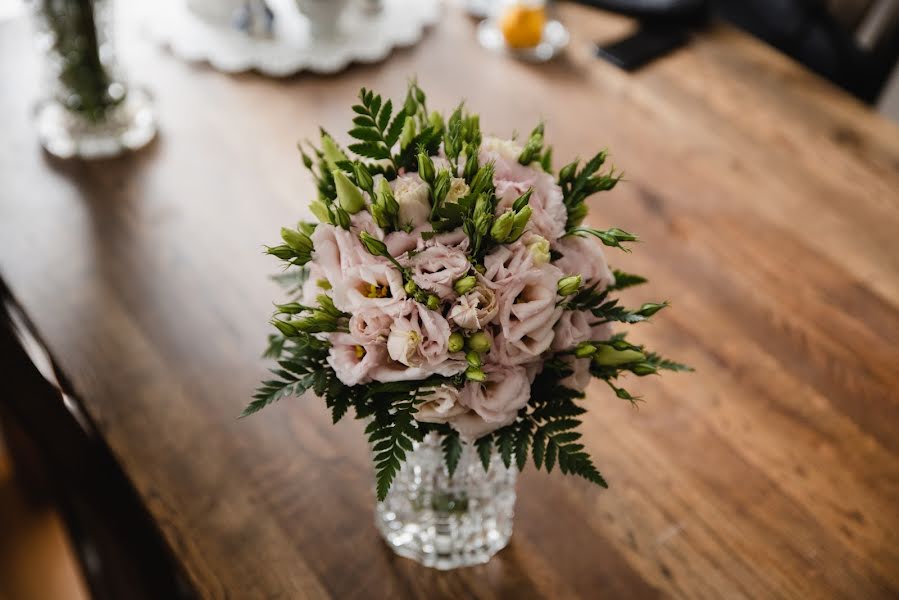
87, 110
448, 522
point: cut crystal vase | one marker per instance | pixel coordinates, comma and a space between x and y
448, 522
87, 109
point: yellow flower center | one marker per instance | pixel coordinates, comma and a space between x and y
377, 291
360, 352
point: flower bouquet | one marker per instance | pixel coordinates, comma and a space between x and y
451, 296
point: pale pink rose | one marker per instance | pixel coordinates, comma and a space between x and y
580, 376
476, 309
353, 362
572, 328
370, 325
442, 405
548, 214
498, 399
437, 267
377, 284
528, 312
584, 256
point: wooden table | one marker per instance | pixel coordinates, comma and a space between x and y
767, 201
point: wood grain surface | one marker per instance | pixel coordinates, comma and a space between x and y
767, 202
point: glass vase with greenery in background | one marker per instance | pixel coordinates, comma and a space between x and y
86, 110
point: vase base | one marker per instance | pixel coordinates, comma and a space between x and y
442, 550
129, 126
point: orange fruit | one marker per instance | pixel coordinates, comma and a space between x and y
522, 26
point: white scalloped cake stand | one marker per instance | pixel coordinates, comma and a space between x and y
364, 37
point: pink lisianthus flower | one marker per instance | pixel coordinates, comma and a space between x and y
370, 325
512, 179
548, 214
437, 267
496, 401
397, 242
477, 308
580, 375
417, 345
375, 284
335, 250
353, 362
572, 328
583, 255
442, 405
527, 313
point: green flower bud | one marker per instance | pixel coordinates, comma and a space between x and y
622, 235
651, 308
373, 244
522, 200
408, 133
363, 177
585, 350
433, 302
331, 151
566, 173
306, 227
323, 284
643, 369
569, 285
426, 169
296, 240
307, 160
465, 284
474, 374
377, 214
285, 327
410, 287
502, 227
471, 165
482, 224
576, 215
479, 342
473, 359
283, 252
456, 342
320, 211
480, 268
291, 308
386, 199
609, 357
342, 217
519, 223
435, 120
349, 196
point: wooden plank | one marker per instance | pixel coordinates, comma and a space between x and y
767, 201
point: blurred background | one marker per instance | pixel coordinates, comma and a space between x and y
853, 43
